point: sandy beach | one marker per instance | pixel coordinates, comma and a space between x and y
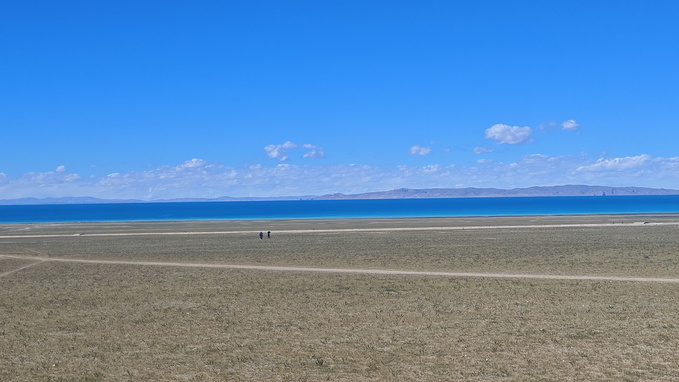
510, 298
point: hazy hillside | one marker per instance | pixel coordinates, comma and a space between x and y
403, 193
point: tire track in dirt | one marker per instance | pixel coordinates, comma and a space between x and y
346, 270
40, 261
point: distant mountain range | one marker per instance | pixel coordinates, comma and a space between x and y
91, 200
408, 193
401, 193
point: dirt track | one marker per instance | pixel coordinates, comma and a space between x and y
40, 259
343, 270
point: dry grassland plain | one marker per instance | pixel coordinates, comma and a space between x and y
140, 320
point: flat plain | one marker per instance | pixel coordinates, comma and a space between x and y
141, 301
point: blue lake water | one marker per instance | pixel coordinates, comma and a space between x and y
311, 209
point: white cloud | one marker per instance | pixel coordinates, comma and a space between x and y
532, 158
193, 163
570, 125
279, 151
511, 135
617, 164
432, 168
484, 161
41, 184
49, 178
61, 168
639, 170
314, 152
419, 150
481, 150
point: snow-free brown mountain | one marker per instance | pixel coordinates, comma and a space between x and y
570, 190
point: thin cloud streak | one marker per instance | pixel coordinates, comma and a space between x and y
625, 163
314, 152
419, 150
280, 152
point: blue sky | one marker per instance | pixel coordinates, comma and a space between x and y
154, 100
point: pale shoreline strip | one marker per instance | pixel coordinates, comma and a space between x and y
349, 230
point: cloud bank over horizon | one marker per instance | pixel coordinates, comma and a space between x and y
197, 178
293, 169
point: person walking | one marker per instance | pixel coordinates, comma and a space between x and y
268, 234
261, 235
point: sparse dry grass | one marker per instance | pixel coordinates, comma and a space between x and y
73, 322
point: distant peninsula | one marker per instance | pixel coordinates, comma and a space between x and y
401, 193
